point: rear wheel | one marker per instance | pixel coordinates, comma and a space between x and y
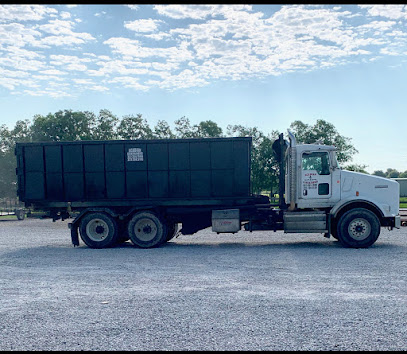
358, 228
146, 230
98, 230
20, 214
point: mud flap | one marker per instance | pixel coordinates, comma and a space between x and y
74, 234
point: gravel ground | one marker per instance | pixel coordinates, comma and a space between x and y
249, 291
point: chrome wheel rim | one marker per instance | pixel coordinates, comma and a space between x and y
359, 229
97, 230
145, 230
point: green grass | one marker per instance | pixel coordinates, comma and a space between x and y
8, 217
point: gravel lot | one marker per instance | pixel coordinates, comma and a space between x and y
249, 291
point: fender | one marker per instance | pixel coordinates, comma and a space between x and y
381, 208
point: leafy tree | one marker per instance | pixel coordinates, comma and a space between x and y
208, 129
68, 125
163, 131
64, 125
8, 138
134, 127
356, 168
104, 126
205, 129
379, 173
403, 174
184, 129
327, 134
392, 173
7, 175
264, 167
20, 133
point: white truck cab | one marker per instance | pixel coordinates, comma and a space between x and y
324, 198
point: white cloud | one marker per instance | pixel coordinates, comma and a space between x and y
234, 42
76, 67
158, 36
70, 62
48, 92
83, 81
388, 51
24, 12
196, 45
121, 68
378, 25
52, 72
13, 73
17, 35
130, 48
23, 53
185, 79
63, 28
9, 83
65, 15
390, 11
99, 88
17, 62
197, 11
144, 25
129, 82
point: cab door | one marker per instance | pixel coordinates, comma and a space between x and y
316, 177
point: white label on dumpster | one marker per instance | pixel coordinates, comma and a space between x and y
135, 154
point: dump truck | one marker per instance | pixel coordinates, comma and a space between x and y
143, 190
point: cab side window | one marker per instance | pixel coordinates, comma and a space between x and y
316, 161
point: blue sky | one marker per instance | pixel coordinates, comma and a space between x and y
255, 65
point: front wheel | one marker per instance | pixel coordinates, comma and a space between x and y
98, 230
358, 228
146, 230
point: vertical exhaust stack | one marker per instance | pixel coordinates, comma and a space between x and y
279, 149
292, 171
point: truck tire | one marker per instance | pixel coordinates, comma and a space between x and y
172, 229
358, 228
146, 230
20, 214
98, 230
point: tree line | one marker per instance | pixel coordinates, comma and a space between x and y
69, 125
390, 173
